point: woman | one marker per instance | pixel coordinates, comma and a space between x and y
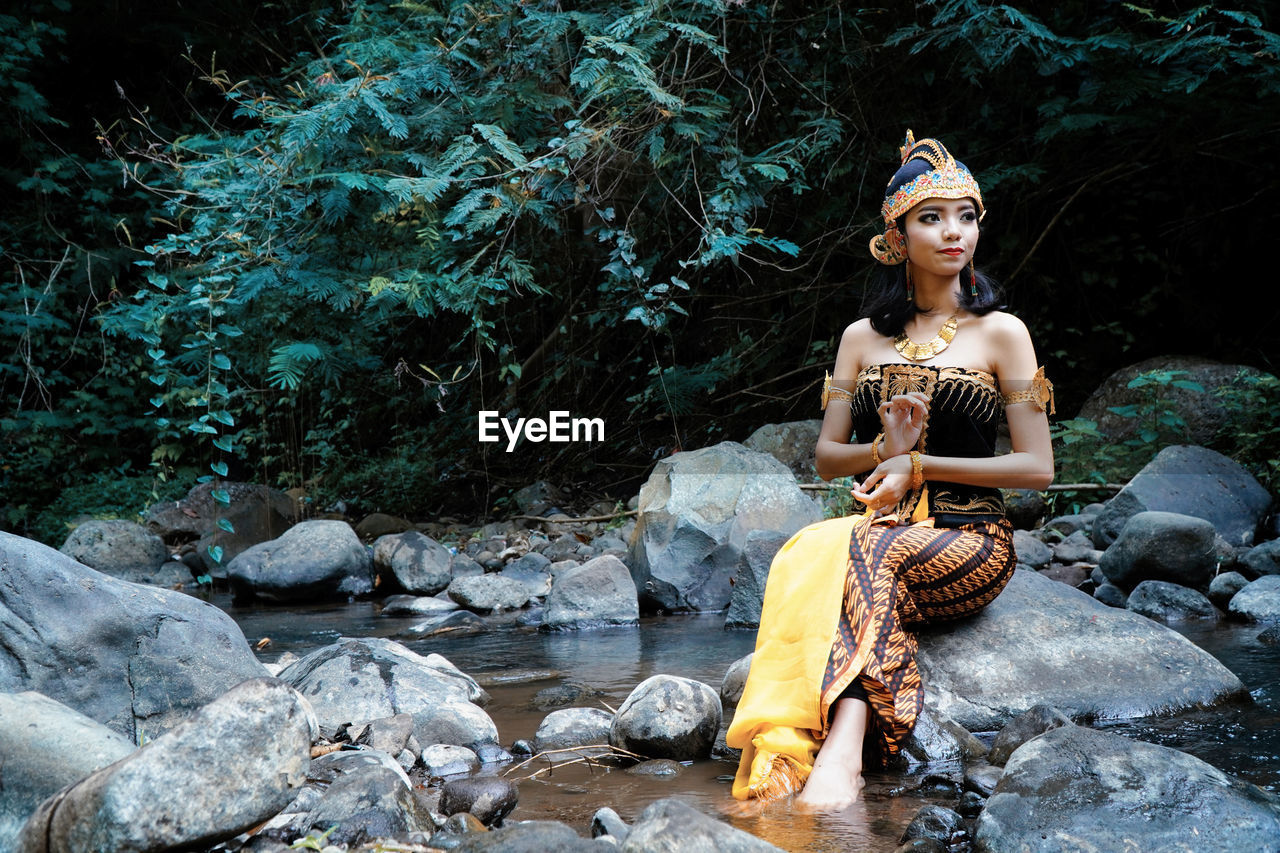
918, 391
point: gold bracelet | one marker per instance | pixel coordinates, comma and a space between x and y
917, 470
875, 449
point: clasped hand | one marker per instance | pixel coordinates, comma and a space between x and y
902, 417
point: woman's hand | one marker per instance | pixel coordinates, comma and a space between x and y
887, 484
902, 417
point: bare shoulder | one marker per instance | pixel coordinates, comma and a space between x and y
1012, 354
1004, 327
856, 340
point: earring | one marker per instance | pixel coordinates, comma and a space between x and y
973, 279
911, 287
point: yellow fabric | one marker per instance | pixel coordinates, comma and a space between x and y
778, 724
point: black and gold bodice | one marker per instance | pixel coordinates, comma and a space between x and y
965, 407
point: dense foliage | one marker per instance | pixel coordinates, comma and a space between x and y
653, 213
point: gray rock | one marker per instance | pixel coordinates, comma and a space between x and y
313, 560
256, 514
668, 717
489, 593
46, 746
607, 822
1024, 507
1076, 548
368, 797
1024, 727
1078, 789
462, 566
936, 738
135, 658
459, 623
1263, 559
735, 679
1069, 524
1168, 602
793, 444
1223, 587
570, 728
118, 548
527, 836
417, 564
561, 695
358, 680
416, 605
375, 525
1270, 636
696, 510
981, 778
1043, 642
1161, 546
1030, 550
533, 570
1189, 481
921, 845
672, 826
747, 598
388, 734
656, 767
598, 593
1111, 595
536, 498
935, 822
230, 766
1259, 601
444, 759
489, 798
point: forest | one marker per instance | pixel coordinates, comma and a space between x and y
304, 243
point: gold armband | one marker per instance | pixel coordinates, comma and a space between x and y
875, 449
838, 393
917, 470
1040, 392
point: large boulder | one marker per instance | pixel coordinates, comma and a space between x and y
598, 593
1205, 412
135, 658
118, 548
792, 443
257, 514
355, 681
696, 510
490, 593
1191, 481
314, 560
233, 764
1161, 546
1168, 602
1259, 601
747, 598
1074, 788
666, 716
1042, 642
572, 728
46, 746
418, 564
673, 826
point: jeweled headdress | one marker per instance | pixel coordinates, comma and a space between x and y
928, 171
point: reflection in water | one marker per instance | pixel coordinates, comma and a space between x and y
1243, 740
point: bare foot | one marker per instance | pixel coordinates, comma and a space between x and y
830, 789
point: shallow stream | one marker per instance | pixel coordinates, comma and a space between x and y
1241, 739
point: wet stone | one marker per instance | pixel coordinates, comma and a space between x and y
659, 767
489, 798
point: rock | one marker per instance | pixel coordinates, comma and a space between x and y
460, 623
671, 826
536, 498
656, 767
378, 524
135, 658
1223, 587
230, 766
920, 845
1023, 507
1076, 548
489, 798
1024, 727
1259, 601
1078, 789
1072, 576
1162, 546
417, 564
574, 727
1030, 550
416, 605
1270, 637
607, 822
936, 738
118, 548
1168, 602
1205, 412
747, 598
533, 570
792, 443
981, 778
313, 560
1189, 481
1043, 642
368, 797
561, 695
932, 821
256, 514
599, 593
463, 566
444, 759
527, 836
489, 593
696, 510
357, 680
1263, 559
388, 734
46, 746
1111, 595
491, 753
735, 679
668, 717
1067, 525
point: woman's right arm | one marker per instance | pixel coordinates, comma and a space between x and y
834, 455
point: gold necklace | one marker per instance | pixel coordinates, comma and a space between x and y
913, 351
